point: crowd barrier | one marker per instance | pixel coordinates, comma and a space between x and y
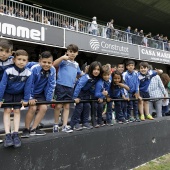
48, 119
37, 14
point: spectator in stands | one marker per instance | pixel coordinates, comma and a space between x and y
46, 20
156, 90
145, 41
116, 92
110, 29
168, 46
15, 87
165, 41
131, 80
160, 44
84, 90
11, 12
67, 73
94, 26
135, 37
36, 17
141, 33
71, 26
42, 89
145, 77
156, 42
1, 8
129, 35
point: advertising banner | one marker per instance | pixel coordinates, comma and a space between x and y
101, 45
20, 29
153, 55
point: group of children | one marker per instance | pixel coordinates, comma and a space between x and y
28, 82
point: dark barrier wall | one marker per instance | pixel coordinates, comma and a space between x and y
119, 147
20, 29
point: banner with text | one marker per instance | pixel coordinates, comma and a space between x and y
153, 55
20, 29
101, 45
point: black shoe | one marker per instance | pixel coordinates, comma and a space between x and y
16, 140
78, 127
25, 133
137, 119
87, 126
8, 140
124, 121
37, 132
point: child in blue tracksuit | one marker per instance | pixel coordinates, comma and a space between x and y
15, 87
44, 82
130, 78
101, 92
116, 92
84, 90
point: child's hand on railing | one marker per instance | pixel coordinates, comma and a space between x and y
100, 100
32, 102
77, 100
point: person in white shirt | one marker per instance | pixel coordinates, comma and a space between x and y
94, 26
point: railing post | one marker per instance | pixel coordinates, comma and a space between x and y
93, 114
77, 25
127, 37
42, 16
163, 46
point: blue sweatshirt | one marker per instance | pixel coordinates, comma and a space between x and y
43, 81
116, 92
16, 81
85, 83
5, 64
9, 63
100, 86
131, 80
145, 80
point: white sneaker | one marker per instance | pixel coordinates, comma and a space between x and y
55, 128
67, 129
1, 141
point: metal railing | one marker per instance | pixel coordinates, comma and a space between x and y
33, 13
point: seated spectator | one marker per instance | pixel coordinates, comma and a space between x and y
1, 8
36, 17
71, 26
11, 12
110, 29
46, 21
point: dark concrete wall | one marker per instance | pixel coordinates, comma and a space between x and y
119, 147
